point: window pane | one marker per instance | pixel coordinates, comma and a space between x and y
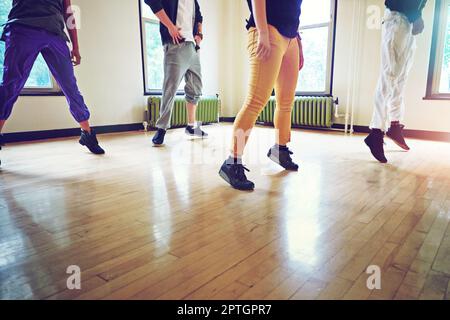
155, 56
445, 72
315, 12
40, 75
313, 76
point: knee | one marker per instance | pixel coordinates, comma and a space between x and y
256, 102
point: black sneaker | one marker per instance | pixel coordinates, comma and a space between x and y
395, 132
282, 156
90, 141
158, 139
234, 174
196, 132
375, 141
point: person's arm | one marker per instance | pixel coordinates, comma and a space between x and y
302, 57
199, 21
416, 19
73, 34
260, 15
158, 10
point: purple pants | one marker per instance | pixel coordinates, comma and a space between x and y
23, 45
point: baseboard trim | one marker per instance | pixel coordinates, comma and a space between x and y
227, 119
66, 133
409, 133
74, 132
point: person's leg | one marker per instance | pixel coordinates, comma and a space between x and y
191, 113
176, 61
57, 56
285, 89
193, 90
263, 75
21, 51
385, 89
406, 48
388, 72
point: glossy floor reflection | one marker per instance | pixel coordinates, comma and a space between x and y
149, 223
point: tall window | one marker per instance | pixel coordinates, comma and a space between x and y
40, 80
317, 31
153, 53
439, 72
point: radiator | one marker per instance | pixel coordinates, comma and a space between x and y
208, 111
307, 111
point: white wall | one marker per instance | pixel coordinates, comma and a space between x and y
110, 76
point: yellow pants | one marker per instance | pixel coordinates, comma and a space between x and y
279, 71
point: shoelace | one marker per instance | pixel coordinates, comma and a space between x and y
239, 170
92, 136
288, 154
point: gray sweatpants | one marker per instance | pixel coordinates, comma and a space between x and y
180, 61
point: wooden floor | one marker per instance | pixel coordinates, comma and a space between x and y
149, 223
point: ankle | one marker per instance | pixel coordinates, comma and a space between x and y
281, 147
234, 160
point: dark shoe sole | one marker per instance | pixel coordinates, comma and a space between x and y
225, 177
275, 159
379, 160
155, 145
195, 136
96, 153
403, 146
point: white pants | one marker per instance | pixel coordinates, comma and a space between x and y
397, 56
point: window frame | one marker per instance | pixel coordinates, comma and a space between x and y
55, 90
142, 21
332, 24
437, 46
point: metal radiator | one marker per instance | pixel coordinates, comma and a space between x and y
208, 111
307, 111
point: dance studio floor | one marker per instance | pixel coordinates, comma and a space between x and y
159, 223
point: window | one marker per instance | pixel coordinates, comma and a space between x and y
439, 72
152, 51
317, 24
40, 80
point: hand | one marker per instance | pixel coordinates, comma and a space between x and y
198, 40
418, 27
76, 57
175, 34
302, 58
264, 48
